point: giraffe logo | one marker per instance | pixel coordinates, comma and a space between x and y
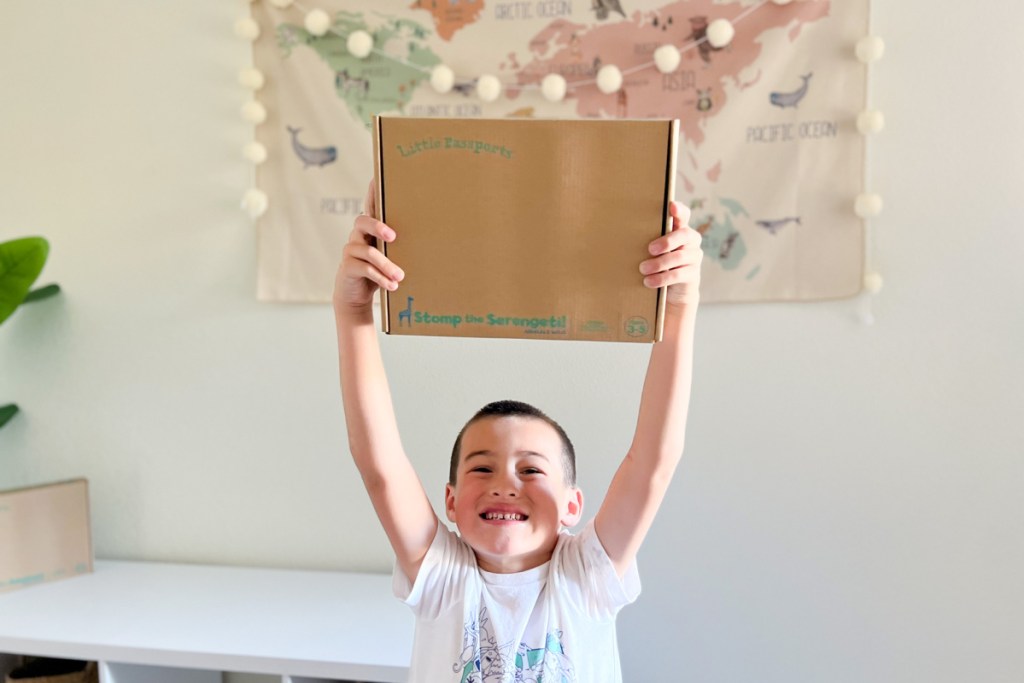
406, 314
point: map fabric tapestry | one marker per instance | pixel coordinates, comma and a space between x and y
770, 159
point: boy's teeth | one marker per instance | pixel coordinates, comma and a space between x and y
507, 515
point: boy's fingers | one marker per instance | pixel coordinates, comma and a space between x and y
673, 259
680, 238
680, 212
380, 263
370, 202
677, 276
368, 226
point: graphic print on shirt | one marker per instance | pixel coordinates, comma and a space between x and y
484, 660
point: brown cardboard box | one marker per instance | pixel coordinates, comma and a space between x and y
44, 534
524, 228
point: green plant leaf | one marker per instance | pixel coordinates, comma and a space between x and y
21, 261
41, 293
7, 412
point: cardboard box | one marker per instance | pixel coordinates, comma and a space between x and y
44, 534
524, 228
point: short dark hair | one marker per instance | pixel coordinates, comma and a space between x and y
508, 408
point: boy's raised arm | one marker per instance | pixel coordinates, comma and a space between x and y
643, 477
394, 487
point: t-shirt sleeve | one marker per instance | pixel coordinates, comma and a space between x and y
441, 577
589, 577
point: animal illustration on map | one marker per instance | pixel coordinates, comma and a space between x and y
699, 35
576, 47
704, 102
702, 228
466, 88
406, 314
727, 245
602, 7
344, 82
774, 226
791, 99
664, 24
312, 156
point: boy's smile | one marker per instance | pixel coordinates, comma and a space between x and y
510, 498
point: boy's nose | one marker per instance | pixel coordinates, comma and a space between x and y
505, 486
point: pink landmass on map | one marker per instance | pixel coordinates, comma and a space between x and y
576, 51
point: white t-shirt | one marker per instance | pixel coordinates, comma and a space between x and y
554, 623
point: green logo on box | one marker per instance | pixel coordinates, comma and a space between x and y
637, 326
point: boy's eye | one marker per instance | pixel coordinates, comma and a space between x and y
532, 470
481, 469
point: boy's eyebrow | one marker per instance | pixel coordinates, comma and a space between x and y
487, 452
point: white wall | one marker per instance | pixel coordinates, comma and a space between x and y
849, 507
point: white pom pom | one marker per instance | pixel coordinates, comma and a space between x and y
359, 44
318, 22
247, 28
868, 205
720, 33
873, 282
282, 4
488, 88
871, 121
609, 79
442, 78
251, 79
553, 88
782, 2
666, 58
255, 153
870, 49
255, 203
254, 112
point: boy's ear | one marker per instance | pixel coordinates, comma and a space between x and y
574, 509
449, 502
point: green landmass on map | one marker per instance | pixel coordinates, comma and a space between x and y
375, 85
723, 243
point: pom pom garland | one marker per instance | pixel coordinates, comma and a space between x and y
667, 58
609, 79
359, 44
247, 28
255, 153
870, 49
871, 121
442, 78
873, 282
255, 203
254, 112
317, 22
867, 205
553, 87
720, 33
251, 79
488, 88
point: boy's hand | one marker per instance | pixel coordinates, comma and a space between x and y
363, 267
677, 258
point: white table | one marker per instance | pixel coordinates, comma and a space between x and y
158, 622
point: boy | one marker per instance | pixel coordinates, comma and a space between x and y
514, 597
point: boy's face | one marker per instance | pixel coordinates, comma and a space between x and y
510, 497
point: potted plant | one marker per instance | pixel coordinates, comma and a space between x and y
21, 261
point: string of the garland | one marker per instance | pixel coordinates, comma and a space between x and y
719, 34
